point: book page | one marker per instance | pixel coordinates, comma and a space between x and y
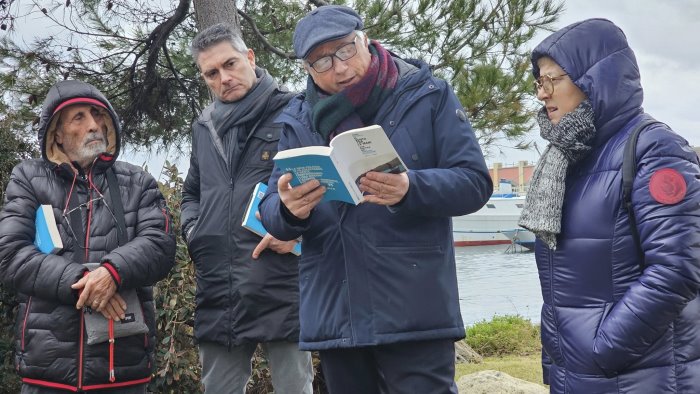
366, 149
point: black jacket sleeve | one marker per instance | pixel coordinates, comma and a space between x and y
22, 266
190, 193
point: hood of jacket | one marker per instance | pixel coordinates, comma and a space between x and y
596, 56
59, 93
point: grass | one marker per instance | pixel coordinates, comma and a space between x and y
510, 344
504, 336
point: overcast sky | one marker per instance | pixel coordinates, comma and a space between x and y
661, 35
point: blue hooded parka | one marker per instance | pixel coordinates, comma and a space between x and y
608, 326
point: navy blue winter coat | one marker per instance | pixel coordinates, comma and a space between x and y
371, 275
608, 327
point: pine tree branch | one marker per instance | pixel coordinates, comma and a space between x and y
318, 3
264, 40
75, 30
155, 42
193, 102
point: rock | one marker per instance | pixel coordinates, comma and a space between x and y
496, 382
465, 354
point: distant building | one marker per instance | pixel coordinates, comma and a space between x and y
518, 175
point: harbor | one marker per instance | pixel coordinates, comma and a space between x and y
494, 282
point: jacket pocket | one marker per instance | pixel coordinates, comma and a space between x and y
167, 221
412, 289
24, 322
327, 317
262, 146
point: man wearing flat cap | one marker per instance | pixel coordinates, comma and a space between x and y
378, 287
86, 312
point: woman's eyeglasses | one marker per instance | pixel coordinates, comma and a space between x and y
546, 83
343, 53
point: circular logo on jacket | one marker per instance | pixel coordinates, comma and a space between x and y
667, 186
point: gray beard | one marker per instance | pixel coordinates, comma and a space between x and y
86, 155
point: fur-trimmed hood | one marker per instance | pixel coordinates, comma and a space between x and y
59, 93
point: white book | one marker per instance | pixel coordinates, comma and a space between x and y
47, 237
340, 166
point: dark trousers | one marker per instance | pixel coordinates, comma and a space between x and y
424, 367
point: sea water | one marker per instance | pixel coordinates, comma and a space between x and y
494, 281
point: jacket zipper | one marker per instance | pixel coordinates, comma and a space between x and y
233, 178
82, 311
230, 268
167, 222
24, 324
80, 354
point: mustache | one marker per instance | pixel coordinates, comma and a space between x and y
96, 137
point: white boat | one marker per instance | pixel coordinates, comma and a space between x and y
522, 237
494, 224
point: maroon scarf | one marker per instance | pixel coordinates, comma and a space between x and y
357, 104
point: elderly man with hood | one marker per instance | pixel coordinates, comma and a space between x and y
117, 241
378, 282
620, 280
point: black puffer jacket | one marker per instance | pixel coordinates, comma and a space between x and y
239, 300
51, 348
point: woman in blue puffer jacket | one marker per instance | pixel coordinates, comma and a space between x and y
614, 320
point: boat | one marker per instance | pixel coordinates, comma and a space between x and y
522, 237
496, 223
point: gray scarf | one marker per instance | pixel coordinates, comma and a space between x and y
234, 121
568, 143
250, 106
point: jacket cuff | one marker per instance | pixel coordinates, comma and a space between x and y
113, 271
187, 230
68, 278
291, 219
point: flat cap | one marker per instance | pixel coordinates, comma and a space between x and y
325, 23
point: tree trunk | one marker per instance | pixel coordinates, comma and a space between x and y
211, 12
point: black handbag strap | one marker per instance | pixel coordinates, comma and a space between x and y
117, 205
76, 224
629, 170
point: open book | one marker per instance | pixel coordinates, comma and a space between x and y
252, 223
47, 238
340, 166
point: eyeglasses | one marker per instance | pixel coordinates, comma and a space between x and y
343, 53
85, 205
546, 83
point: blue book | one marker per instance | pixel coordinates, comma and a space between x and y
340, 166
254, 224
47, 237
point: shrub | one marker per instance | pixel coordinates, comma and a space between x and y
8, 310
504, 335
